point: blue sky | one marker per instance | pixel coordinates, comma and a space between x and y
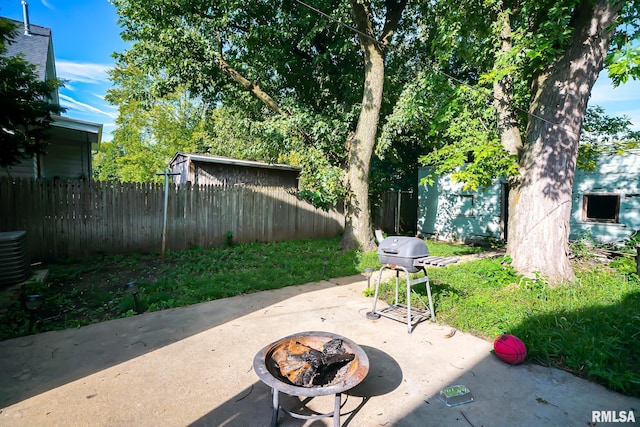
85, 34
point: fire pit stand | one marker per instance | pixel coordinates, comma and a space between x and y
348, 376
276, 407
411, 255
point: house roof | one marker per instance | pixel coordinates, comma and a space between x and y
35, 47
206, 158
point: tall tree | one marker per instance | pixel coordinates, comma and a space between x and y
361, 145
540, 198
540, 62
280, 62
26, 111
150, 130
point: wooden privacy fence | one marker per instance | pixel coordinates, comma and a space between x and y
79, 218
397, 212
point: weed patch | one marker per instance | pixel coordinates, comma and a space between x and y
81, 292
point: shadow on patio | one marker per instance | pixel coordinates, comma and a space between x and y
36, 363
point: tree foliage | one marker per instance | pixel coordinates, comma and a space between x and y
281, 82
291, 78
281, 48
26, 112
149, 130
487, 85
466, 60
533, 64
149, 135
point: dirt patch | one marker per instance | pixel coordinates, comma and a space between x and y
76, 293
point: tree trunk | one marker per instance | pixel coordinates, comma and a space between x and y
357, 231
540, 202
510, 137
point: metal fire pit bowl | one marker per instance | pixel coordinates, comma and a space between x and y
348, 376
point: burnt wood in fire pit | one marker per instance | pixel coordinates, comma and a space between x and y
305, 366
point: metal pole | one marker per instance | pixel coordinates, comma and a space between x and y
276, 407
166, 174
336, 410
398, 212
164, 215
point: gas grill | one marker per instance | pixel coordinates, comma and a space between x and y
411, 255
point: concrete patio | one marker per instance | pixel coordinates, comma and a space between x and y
193, 366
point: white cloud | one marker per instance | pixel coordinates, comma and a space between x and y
82, 72
623, 100
46, 4
73, 104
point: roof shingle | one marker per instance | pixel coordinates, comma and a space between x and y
33, 46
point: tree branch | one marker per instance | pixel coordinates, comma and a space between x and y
394, 13
254, 88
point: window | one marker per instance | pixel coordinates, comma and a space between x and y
600, 207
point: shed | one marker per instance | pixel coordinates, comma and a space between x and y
606, 202
199, 169
605, 205
448, 212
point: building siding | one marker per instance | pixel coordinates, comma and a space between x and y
616, 175
68, 160
447, 212
26, 168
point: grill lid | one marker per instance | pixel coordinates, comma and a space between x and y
403, 247
402, 251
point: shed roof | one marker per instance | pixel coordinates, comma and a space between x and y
206, 158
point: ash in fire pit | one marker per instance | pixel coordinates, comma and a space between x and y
306, 366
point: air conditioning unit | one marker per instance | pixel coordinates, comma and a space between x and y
15, 265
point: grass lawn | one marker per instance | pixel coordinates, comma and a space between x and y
590, 327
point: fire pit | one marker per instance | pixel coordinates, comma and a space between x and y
311, 364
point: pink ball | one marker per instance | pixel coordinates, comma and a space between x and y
510, 349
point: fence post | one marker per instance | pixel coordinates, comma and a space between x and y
638, 260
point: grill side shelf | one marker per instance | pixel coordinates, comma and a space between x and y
436, 261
